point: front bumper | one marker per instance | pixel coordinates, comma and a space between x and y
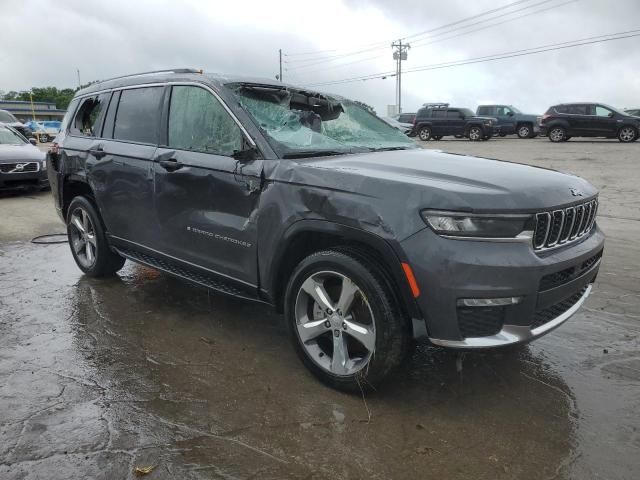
24, 181
550, 287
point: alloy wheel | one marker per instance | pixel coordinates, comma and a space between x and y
556, 134
474, 133
627, 134
335, 323
424, 134
523, 132
83, 237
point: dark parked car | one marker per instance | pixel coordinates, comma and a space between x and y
7, 119
511, 120
561, 122
22, 166
311, 204
434, 121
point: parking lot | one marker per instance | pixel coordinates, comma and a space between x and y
98, 377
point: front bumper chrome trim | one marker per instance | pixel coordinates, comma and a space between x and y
511, 334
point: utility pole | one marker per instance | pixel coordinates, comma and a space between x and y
399, 54
280, 54
79, 84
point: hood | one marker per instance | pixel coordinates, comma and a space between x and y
423, 178
20, 153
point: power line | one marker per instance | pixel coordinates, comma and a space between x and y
493, 57
430, 42
380, 45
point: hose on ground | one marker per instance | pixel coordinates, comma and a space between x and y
45, 239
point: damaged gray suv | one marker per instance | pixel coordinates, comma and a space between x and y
309, 203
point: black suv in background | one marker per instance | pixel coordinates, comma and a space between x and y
436, 120
311, 204
561, 122
511, 120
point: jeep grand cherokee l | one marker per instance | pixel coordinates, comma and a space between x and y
309, 203
437, 120
561, 122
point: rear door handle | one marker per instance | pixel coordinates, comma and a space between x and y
97, 152
171, 165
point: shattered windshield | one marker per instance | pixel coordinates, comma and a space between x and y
299, 123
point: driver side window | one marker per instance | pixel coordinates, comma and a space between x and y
199, 122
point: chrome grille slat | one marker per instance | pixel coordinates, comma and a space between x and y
565, 225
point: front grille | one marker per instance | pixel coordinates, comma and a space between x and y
557, 279
545, 315
560, 227
19, 167
480, 321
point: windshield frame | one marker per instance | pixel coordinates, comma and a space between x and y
332, 146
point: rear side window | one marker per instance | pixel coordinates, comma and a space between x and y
138, 115
486, 110
578, 109
439, 114
453, 114
89, 115
562, 109
199, 122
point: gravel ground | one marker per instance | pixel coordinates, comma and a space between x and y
100, 377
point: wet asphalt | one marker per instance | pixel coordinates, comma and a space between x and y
98, 377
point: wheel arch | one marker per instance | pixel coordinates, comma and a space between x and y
73, 186
308, 236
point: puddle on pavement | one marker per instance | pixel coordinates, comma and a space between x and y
99, 376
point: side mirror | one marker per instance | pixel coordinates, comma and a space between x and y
610, 115
510, 113
32, 141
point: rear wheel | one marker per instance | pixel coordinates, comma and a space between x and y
475, 134
88, 242
557, 134
627, 134
525, 131
424, 134
345, 324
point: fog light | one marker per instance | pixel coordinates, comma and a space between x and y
488, 302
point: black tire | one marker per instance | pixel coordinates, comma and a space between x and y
475, 133
104, 261
525, 130
424, 134
437, 137
557, 134
389, 327
627, 134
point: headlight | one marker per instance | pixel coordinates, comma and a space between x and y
461, 224
44, 164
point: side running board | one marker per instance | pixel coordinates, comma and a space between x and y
197, 276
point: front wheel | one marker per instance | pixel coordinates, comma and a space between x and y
557, 134
345, 323
424, 134
525, 131
88, 241
627, 134
475, 134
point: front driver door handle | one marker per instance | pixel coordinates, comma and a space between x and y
97, 152
171, 165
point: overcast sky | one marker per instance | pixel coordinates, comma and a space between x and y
44, 41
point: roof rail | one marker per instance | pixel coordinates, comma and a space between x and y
167, 70
435, 105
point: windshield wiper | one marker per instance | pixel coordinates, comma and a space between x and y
313, 153
388, 149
